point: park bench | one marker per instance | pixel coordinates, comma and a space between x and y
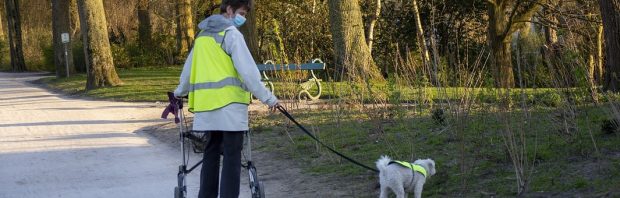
305, 85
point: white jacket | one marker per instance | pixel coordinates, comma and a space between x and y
233, 117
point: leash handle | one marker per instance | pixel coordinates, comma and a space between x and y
288, 115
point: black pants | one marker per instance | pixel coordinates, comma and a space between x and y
229, 144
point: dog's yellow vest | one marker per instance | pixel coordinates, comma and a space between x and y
413, 167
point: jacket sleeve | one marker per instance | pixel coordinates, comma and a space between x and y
235, 45
183, 88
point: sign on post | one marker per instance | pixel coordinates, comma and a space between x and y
65, 37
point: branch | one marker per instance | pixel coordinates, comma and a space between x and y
523, 15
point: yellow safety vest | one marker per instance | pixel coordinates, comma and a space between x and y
214, 81
414, 167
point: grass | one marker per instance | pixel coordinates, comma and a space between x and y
470, 154
151, 84
141, 84
470, 159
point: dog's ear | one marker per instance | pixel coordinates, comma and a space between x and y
431, 165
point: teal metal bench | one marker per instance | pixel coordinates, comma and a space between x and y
306, 86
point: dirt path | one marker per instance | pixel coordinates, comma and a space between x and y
55, 146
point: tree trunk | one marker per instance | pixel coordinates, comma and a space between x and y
499, 43
352, 54
610, 12
185, 28
144, 24
426, 59
99, 62
599, 56
61, 24
75, 19
371, 25
249, 33
2, 16
15, 35
506, 17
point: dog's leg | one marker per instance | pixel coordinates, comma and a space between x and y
384, 192
400, 191
418, 189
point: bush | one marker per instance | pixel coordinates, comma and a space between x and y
551, 99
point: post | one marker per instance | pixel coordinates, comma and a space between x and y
65, 41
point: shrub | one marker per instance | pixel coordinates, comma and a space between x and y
551, 99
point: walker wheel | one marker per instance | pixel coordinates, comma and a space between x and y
258, 191
178, 193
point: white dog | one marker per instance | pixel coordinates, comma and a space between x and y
404, 177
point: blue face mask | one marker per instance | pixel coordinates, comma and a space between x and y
238, 20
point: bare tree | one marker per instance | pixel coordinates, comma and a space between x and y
250, 34
15, 35
75, 18
61, 21
426, 59
185, 27
144, 23
610, 13
99, 62
371, 25
1, 21
353, 57
506, 17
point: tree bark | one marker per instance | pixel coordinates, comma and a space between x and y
15, 36
61, 24
75, 19
506, 17
352, 54
144, 24
426, 59
610, 13
101, 72
185, 28
599, 56
249, 33
371, 25
2, 39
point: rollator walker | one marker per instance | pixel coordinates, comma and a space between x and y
198, 142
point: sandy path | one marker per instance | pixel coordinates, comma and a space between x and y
53, 146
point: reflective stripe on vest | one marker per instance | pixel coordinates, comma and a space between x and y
414, 167
214, 81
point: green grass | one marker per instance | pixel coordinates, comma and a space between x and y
142, 84
151, 84
470, 156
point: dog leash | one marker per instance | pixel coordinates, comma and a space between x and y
288, 115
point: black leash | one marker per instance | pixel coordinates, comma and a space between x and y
319, 141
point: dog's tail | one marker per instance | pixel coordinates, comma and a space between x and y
383, 162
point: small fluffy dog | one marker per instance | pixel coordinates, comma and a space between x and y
403, 178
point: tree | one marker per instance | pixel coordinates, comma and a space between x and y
61, 20
371, 25
250, 34
1, 29
185, 28
144, 23
353, 57
506, 17
15, 35
424, 52
75, 19
610, 13
99, 62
